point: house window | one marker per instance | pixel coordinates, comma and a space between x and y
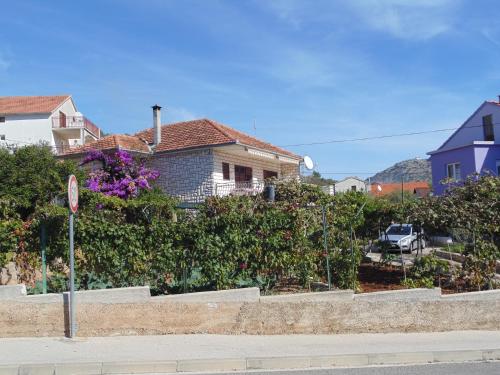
2, 119
498, 167
2, 138
225, 171
353, 188
488, 128
242, 174
454, 171
270, 174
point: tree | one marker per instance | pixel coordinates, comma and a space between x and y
31, 176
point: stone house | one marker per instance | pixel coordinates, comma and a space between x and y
201, 158
347, 184
53, 120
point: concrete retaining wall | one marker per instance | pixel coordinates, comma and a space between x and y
8, 292
334, 312
232, 295
418, 294
484, 295
341, 295
117, 295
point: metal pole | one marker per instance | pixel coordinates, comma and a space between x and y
325, 245
72, 302
402, 190
43, 244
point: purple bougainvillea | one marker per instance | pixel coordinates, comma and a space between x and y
120, 175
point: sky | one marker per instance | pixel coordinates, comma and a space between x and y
287, 71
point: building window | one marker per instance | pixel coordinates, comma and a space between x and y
454, 171
2, 138
498, 168
2, 119
225, 171
488, 128
242, 174
353, 188
270, 174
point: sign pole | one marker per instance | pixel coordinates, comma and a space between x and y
73, 207
72, 307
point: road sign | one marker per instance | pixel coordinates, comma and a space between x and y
73, 193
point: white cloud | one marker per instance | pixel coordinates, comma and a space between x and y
4, 63
404, 19
407, 19
177, 114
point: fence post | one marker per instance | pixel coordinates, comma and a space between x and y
43, 244
325, 244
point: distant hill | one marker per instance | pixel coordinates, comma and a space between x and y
412, 170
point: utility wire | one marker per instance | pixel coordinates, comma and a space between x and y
383, 136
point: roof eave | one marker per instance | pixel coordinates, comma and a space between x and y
292, 156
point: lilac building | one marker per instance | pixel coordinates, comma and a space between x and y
472, 148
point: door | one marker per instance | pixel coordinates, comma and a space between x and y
62, 119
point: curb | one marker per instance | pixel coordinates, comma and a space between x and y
255, 363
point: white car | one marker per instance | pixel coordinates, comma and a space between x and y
402, 237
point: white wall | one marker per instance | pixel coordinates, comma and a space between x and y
346, 185
258, 165
27, 129
472, 129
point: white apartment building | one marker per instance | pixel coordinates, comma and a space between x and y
53, 120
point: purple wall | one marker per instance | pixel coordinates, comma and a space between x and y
463, 155
472, 159
486, 158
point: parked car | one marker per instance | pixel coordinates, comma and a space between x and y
402, 237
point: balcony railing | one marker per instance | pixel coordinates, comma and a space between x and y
76, 122
239, 188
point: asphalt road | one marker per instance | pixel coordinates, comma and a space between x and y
470, 368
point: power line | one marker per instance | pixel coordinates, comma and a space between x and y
383, 136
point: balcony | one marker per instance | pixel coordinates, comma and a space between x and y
76, 122
239, 188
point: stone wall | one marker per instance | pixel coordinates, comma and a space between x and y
328, 313
187, 175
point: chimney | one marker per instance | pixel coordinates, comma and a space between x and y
156, 125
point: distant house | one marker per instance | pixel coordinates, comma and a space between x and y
472, 148
418, 188
201, 158
53, 120
347, 184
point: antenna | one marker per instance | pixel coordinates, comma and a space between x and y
308, 163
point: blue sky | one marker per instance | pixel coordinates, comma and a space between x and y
304, 71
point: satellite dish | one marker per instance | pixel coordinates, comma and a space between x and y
309, 164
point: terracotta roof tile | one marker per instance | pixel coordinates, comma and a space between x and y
392, 187
11, 105
205, 132
112, 142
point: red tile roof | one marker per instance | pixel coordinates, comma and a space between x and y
112, 142
203, 133
12, 105
392, 187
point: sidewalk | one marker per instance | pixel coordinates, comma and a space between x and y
175, 353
